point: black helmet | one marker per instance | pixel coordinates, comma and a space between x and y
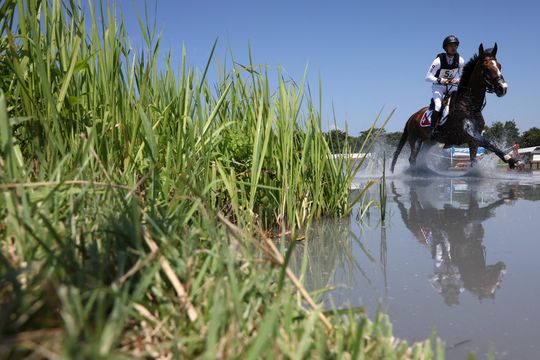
450, 39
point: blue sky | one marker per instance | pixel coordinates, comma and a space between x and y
369, 54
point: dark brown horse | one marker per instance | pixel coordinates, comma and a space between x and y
465, 123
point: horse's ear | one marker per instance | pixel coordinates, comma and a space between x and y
481, 50
494, 51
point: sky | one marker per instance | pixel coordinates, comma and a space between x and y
369, 55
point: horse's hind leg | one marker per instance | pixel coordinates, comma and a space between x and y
415, 149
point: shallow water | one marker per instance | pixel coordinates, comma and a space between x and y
456, 254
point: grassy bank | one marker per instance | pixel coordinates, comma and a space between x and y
138, 202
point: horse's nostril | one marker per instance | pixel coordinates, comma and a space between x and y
502, 88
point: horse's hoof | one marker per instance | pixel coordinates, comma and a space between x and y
512, 163
520, 165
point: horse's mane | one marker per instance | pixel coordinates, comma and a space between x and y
468, 70
469, 67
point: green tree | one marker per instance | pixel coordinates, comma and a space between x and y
531, 137
511, 132
495, 131
503, 133
364, 135
336, 140
392, 138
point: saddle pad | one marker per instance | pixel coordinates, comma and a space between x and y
426, 118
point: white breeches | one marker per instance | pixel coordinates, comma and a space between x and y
438, 94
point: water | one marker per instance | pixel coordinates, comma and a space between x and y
457, 254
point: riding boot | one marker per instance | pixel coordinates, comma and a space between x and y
435, 118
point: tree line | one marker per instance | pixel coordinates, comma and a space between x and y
506, 133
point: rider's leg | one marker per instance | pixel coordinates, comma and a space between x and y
437, 100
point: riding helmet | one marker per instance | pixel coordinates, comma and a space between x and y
450, 39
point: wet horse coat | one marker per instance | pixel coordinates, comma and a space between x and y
465, 123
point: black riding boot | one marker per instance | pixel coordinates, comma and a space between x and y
435, 118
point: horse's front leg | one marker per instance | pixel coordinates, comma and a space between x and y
478, 140
473, 149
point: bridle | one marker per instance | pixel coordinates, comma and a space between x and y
493, 82
490, 85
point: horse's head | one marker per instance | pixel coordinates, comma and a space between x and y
491, 70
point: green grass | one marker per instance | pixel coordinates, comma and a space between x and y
137, 201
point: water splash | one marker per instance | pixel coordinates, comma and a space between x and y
435, 162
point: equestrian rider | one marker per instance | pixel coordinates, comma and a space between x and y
444, 74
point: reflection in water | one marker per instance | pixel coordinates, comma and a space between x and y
327, 250
452, 229
448, 237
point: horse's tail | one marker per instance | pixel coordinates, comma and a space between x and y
402, 141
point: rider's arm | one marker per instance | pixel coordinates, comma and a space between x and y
430, 76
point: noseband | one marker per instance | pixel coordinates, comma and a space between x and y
492, 83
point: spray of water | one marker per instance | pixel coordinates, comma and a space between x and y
435, 162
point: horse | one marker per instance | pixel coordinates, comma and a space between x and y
465, 123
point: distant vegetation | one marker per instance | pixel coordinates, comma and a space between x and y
339, 141
508, 133
530, 137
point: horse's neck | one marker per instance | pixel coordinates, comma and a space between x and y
478, 90
473, 93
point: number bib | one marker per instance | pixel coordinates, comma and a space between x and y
447, 73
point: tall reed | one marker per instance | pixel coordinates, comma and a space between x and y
382, 191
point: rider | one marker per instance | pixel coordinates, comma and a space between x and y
444, 73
